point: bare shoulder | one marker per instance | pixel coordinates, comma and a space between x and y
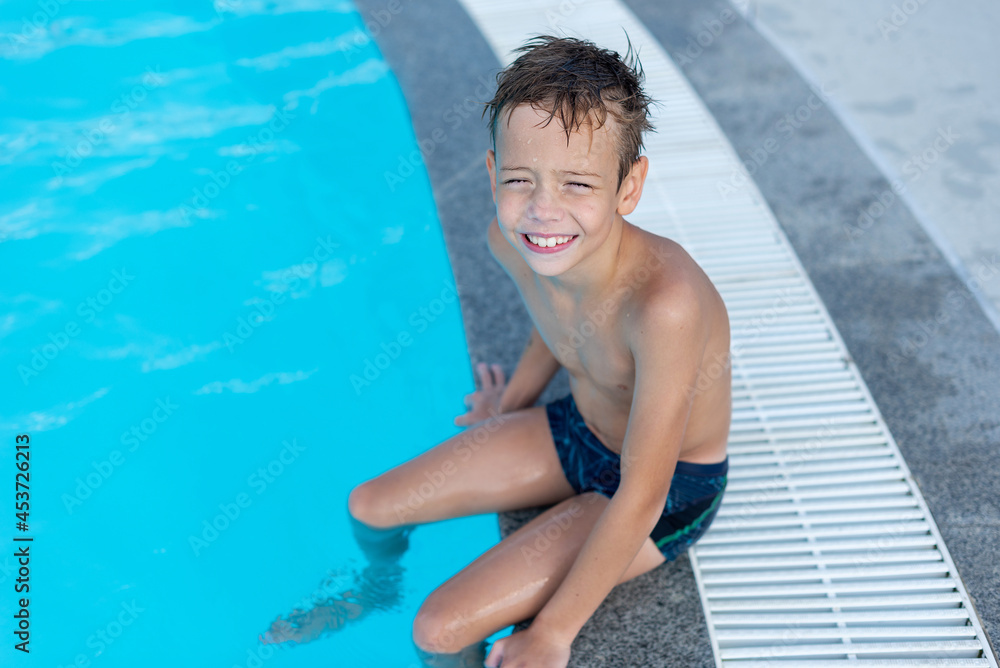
676, 296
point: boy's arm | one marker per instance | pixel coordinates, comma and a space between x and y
535, 369
668, 344
537, 365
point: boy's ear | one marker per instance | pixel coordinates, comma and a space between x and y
631, 189
491, 167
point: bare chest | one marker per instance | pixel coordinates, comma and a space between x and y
587, 339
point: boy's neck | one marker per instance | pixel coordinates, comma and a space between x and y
593, 275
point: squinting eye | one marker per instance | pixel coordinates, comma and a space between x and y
508, 181
582, 185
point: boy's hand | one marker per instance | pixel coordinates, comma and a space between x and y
484, 401
528, 649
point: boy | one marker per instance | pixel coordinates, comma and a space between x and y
634, 458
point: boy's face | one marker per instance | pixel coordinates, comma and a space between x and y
542, 187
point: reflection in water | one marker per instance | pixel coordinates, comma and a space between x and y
377, 587
472, 656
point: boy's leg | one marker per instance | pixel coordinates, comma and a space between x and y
506, 462
473, 656
377, 587
381, 545
514, 579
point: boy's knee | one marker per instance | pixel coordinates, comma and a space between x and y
381, 537
357, 501
436, 631
365, 504
427, 632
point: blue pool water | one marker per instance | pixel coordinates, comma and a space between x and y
203, 269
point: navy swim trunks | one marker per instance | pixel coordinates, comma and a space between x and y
695, 490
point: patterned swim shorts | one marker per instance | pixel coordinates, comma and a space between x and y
695, 490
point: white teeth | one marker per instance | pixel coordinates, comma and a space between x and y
547, 242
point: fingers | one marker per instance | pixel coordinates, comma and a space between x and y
470, 401
487, 379
491, 378
467, 420
498, 375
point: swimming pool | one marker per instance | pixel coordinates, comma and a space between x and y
227, 302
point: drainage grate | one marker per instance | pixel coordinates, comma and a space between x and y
823, 552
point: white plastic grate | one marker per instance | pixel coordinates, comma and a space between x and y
823, 552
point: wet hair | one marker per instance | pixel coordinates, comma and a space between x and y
582, 83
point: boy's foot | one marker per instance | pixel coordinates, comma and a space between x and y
378, 587
304, 625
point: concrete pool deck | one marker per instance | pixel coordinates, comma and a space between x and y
902, 72
887, 289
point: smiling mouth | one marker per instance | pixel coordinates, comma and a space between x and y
549, 242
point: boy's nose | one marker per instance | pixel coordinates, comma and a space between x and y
543, 206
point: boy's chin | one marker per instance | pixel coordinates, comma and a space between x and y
550, 268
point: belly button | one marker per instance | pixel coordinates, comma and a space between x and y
622, 387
